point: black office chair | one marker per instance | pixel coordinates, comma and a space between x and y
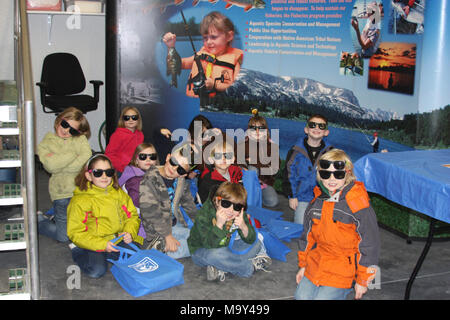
62, 80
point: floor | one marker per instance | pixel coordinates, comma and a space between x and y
397, 261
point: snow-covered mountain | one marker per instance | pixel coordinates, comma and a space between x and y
252, 84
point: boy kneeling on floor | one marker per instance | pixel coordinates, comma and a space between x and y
213, 229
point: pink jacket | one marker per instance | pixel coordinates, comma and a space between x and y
122, 145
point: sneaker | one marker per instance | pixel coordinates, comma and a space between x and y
212, 274
157, 244
261, 262
42, 216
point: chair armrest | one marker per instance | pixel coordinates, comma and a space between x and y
97, 84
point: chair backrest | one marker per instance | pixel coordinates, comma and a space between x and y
63, 74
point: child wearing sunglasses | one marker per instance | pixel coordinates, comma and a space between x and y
63, 153
341, 231
125, 138
222, 169
261, 154
216, 222
144, 158
299, 173
166, 205
99, 212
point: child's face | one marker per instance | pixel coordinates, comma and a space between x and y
175, 166
229, 211
316, 133
130, 124
104, 180
332, 183
223, 159
216, 42
70, 125
144, 160
257, 131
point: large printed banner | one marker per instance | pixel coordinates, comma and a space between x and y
356, 62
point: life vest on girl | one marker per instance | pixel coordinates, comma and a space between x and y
215, 67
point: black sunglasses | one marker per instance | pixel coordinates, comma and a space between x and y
325, 174
226, 204
180, 170
227, 155
144, 156
99, 172
257, 128
312, 125
134, 117
338, 165
73, 132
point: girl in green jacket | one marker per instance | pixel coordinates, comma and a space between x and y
63, 153
99, 212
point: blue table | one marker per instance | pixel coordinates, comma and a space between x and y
415, 179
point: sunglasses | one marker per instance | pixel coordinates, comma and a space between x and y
338, 165
226, 204
73, 132
257, 128
128, 118
144, 156
312, 125
180, 170
226, 155
339, 174
99, 172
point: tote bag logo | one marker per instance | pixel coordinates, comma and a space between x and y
145, 265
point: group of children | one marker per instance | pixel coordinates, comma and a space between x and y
144, 195
152, 205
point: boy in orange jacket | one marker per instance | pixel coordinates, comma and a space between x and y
340, 241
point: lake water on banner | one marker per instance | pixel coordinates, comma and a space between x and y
355, 143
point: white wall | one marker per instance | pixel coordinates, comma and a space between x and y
6, 40
87, 42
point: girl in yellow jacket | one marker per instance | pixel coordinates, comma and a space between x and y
98, 212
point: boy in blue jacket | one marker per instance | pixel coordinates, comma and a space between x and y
299, 173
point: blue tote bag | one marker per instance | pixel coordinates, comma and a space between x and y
141, 272
251, 184
284, 230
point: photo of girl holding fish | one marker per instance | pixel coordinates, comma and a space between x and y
215, 66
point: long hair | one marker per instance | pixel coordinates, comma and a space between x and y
83, 183
74, 114
121, 122
139, 148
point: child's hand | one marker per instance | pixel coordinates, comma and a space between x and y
293, 203
221, 217
359, 291
172, 244
169, 39
127, 238
209, 83
240, 223
166, 132
110, 247
300, 275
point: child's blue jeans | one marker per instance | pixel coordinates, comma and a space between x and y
227, 261
56, 229
181, 233
94, 264
306, 290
